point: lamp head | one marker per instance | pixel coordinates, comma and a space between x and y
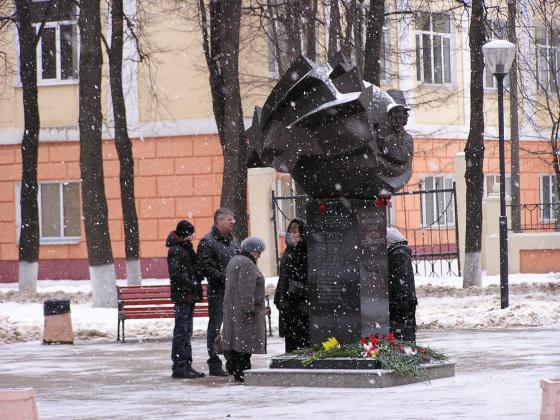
498, 56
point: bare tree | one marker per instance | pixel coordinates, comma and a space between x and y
94, 202
540, 85
220, 42
514, 123
474, 149
29, 233
374, 39
123, 145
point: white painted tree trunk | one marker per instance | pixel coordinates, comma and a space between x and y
27, 276
103, 285
471, 270
133, 272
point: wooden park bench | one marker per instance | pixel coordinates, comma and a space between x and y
145, 302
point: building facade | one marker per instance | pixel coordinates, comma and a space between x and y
178, 157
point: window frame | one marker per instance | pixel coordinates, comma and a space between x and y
419, 50
75, 50
50, 240
549, 47
551, 197
495, 30
448, 215
496, 180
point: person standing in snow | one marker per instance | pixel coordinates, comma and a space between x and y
215, 251
291, 297
186, 290
402, 290
244, 331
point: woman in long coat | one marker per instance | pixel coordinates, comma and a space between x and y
291, 297
244, 321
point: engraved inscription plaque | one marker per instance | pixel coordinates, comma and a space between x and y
347, 270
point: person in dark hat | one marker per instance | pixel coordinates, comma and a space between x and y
402, 291
291, 297
186, 290
244, 322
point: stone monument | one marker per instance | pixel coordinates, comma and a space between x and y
343, 142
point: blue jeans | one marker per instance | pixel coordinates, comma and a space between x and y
181, 350
215, 318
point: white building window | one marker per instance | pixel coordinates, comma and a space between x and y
286, 209
437, 204
58, 47
548, 196
492, 183
385, 59
548, 59
59, 212
433, 47
496, 29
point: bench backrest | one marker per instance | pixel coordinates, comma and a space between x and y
150, 295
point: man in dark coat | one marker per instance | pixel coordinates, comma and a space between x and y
291, 297
215, 251
185, 292
402, 291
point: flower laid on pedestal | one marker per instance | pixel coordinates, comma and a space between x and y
402, 357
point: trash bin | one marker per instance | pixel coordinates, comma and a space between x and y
550, 403
18, 404
58, 323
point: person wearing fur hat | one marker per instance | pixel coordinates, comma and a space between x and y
186, 290
402, 291
291, 297
244, 331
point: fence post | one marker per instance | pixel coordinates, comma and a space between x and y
260, 184
461, 192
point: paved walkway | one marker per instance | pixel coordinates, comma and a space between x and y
497, 376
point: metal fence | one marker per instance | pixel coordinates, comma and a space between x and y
537, 217
426, 218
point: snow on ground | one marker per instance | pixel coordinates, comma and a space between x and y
443, 304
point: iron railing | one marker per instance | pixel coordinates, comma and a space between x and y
538, 217
435, 250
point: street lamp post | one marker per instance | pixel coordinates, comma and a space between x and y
498, 57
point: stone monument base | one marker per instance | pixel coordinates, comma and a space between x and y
343, 378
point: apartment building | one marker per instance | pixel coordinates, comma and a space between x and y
178, 158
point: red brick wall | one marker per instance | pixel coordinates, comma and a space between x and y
539, 261
175, 178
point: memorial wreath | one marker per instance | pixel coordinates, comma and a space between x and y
404, 358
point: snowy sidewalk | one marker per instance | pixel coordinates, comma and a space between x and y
497, 376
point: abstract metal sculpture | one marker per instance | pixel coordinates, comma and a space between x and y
337, 135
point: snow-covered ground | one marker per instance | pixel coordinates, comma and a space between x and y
443, 304
500, 357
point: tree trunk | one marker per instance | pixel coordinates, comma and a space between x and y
359, 37
310, 13
474, 150
348, 42
293, 26
334, 29
124, 147
221, 49
514, 125
29, 233
94, 203
374, 37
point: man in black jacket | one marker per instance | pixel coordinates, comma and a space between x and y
402, 290
215, 251
185, 292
